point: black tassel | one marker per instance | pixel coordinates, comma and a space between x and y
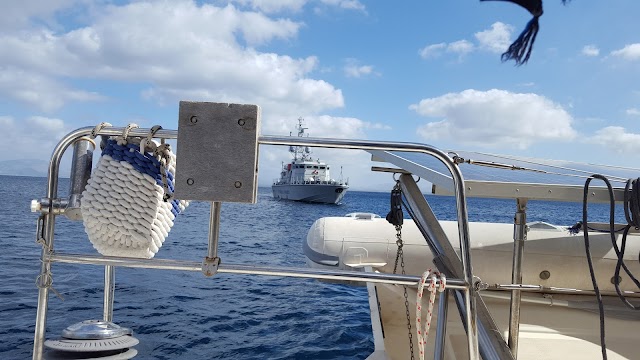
520, 50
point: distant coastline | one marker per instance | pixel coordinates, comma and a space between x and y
24, 167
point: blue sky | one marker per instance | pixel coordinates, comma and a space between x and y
417, 71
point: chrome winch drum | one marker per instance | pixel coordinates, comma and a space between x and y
93, 339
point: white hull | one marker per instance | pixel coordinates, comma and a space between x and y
558, 326
317, 193
550, 332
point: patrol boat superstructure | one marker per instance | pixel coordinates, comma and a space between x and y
306, 179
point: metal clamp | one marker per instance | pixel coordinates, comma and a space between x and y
48, 206
210, 266
40, 239
478, 284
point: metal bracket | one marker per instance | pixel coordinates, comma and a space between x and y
40, 230
48, 206
218, 152
210, 266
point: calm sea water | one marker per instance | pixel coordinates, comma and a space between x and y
179, 315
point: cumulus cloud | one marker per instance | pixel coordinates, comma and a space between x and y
617, 139
495, 39
328, 126
345, 4
341, 127
590, 50
178, 48
494, 118
35, 133
432, 50
460, 47
633, 112
630, 52
355, 70
18, 14
40, 91
276, 6
273, 6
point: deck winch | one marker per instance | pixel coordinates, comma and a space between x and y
93, 339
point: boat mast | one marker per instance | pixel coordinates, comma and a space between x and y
300, 152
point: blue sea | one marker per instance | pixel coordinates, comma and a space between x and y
185, 315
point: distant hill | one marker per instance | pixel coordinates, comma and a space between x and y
25, 167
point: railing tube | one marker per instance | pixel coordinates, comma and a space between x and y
109, 292
441, 328
214, 230
519, 236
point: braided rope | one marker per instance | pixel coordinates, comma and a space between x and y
123, 205
432, 278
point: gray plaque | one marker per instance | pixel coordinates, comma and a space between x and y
217, 152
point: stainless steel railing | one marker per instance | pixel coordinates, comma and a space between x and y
464, 284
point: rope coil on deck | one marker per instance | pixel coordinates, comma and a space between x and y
432, 279
127, 206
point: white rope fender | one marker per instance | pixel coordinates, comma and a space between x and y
123, 206
432, 278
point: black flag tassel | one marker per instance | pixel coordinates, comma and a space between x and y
520, 50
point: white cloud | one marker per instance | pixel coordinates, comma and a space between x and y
496, 39
328, 126
617, 139
629, 52
460, 47
180, 49
345, 4
35, 133
590, 50
342, 127
39, 91
276, 6
358, 71
431, 51
494, 118
355, 70
633, 112
273, 6
18, 14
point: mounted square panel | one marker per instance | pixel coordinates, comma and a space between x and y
217, 152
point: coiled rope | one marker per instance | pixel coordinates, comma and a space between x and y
432, 278
127, 206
